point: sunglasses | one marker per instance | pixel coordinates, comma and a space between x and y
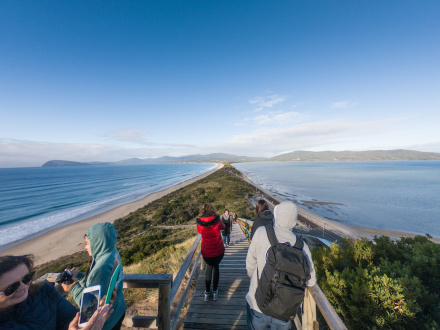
14, 286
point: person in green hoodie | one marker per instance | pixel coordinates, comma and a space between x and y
104, 258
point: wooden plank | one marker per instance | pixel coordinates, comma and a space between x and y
229, 311
146, 280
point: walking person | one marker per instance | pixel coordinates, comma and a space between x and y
228, 220
213, 250
104, 259
285, 219
264, 216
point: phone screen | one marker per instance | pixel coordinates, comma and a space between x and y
89, 304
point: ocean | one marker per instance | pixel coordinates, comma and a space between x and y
34, 200
390, 195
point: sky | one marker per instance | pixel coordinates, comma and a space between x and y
112, 80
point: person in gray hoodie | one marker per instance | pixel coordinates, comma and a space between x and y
286, 217
264, 216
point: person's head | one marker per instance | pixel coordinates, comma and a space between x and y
226, 212
100, 239
261, 206
207, 210
285, 215
16, 273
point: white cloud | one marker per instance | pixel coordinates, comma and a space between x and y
135, 136
324, 134
267, 101
20, 153
273, 119
343, 105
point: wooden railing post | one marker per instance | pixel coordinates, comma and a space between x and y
164, 314
309, 312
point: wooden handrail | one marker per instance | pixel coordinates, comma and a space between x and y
313, 297
179, 277
182, 271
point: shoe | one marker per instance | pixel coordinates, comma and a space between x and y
207, 295
215, 295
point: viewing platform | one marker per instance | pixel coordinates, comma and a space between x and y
229, 311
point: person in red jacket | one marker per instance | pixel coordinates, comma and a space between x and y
209, 226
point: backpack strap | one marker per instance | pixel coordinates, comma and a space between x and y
299, 244
271, 235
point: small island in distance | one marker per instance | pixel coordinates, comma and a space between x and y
321, 156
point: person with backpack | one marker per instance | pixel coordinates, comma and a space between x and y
280, 267
228, 219
264, 216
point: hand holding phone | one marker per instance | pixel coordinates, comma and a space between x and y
89, 304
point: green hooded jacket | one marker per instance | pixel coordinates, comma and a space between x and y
102, 237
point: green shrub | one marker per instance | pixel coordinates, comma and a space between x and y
382, 284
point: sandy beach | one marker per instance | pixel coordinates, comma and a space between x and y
69, 239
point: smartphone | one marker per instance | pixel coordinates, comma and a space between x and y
89, 304
111, 287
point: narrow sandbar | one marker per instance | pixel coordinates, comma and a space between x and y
69, 239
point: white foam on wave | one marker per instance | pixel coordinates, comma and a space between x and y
31, 227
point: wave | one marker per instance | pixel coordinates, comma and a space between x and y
12, 231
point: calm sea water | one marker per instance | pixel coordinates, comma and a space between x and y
392, 195
37, 199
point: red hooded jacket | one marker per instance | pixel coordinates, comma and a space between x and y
209, 228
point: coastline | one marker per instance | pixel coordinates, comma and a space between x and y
69, 239
349, 231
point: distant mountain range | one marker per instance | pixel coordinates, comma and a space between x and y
291, 156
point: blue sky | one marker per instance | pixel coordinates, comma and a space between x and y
111, 80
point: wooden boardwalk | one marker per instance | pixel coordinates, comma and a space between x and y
229, 311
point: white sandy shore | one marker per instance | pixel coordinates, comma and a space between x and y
69, 239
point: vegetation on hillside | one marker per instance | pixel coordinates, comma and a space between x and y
138, 234
384, 284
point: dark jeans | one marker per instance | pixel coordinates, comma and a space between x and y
226, 238
212, 271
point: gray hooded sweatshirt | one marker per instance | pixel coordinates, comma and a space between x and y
286, 217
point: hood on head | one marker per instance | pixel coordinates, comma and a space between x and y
102, 237
286, 215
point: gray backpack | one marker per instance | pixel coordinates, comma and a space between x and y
280, 290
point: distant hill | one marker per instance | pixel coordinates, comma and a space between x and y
210, 158
320, 156
356, 155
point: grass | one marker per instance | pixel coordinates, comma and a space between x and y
148, 249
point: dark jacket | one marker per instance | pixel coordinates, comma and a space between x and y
262, 219
102, 237
45, 309
209, 228
228, 223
